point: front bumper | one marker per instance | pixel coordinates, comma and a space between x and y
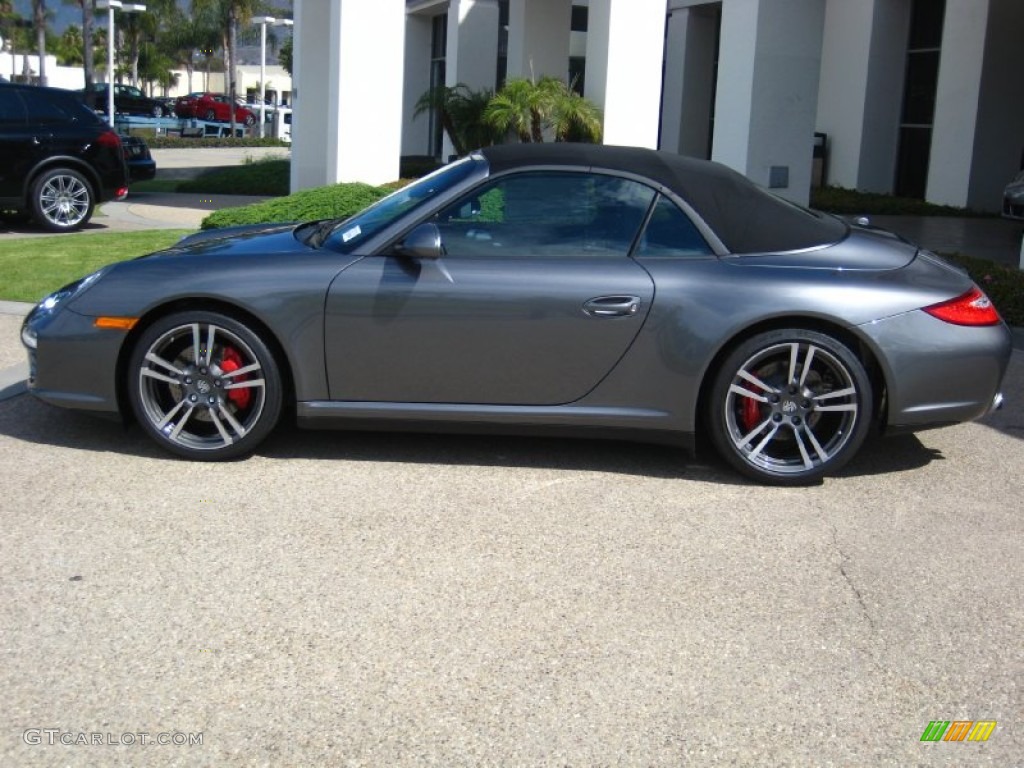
74, 364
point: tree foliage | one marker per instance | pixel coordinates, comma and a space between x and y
523, 108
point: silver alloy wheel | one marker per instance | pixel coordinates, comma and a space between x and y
791, 408
187, 385
64, 200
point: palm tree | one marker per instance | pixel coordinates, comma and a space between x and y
527, 108
517, 108
87, 60
461, 111
572, 117
39, 20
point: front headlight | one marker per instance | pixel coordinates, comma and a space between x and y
69, 291
46, 308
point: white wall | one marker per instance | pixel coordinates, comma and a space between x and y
538, 38
769, 62
347, 120
71, 78
625, 40
861, 90
956, 101
416, 130
689, 81
979, 111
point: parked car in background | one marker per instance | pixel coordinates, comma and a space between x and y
213, 107
127, 99
58, 159
1013, 198
141, 165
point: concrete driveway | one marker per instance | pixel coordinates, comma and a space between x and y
393, 600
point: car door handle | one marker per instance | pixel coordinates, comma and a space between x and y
612, 306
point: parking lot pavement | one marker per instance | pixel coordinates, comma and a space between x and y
424, 600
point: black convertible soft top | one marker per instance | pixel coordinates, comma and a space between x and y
746, 218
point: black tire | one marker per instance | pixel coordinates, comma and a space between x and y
62, 200
788, 407
203, 402
210, 116
250, 120
158, 111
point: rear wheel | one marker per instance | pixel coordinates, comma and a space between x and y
790, 406
62, 200
210, 115
204, 386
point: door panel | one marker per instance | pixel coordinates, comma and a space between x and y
478, 330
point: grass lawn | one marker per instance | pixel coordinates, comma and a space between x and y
34, 267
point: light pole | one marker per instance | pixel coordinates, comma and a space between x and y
109, 6
263, 21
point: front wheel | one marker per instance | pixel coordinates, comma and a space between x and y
250, 120
204, 386
788, 407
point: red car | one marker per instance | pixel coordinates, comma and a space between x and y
212, 107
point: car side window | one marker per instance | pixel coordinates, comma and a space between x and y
546, 215
671, 233
43, 109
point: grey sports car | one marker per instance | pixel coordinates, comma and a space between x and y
570, 289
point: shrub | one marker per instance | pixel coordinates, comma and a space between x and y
850, 202
337, 200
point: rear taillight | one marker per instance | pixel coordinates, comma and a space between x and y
109, 139
973, 308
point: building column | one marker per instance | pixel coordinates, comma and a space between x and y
348, 122
978, 131
538, 38
472, 54
689, 80
416, 129
768, 67
860, 94
625, 43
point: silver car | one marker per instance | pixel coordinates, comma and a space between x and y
545, 289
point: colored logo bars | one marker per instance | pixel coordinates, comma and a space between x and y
958, 730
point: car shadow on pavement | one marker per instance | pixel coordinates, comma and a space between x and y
24, 418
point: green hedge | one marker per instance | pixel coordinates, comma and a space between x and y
850, 202
168, 142
338, 200
263, 177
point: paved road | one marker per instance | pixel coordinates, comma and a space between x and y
353, 599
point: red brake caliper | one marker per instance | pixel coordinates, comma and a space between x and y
231, 361
751, 414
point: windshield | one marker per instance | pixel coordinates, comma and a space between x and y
347, 234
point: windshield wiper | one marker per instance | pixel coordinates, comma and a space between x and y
318, 232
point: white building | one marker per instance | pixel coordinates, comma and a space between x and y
917, 97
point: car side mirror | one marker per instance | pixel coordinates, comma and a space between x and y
423, 242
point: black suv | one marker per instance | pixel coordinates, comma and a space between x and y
127, 99
57, 158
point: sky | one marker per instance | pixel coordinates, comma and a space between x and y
71, 14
